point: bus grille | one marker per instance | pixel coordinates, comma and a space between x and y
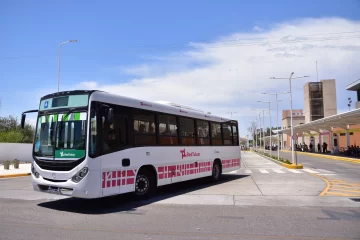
57, 165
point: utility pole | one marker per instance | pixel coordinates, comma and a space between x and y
269, 126
277, 118
292, 125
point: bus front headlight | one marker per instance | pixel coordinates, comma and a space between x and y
80, 175
34, 172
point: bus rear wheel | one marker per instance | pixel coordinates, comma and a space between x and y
216, 171
144, 184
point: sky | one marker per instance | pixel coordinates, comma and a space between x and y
214, 55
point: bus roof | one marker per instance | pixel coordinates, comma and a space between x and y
160, 106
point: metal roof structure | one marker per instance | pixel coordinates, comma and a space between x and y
354, 86
341, 120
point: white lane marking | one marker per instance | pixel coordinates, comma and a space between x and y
294, 171
310, 171
248, 171
278, 171
233, 172
323, 170
263, 171
327, 174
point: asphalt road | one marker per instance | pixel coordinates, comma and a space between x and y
344, 170
260, 201
113, 218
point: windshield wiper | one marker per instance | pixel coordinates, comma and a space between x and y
57, 128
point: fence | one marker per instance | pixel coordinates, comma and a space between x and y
11, 151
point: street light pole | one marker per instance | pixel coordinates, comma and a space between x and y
277, 118
270, 125
291, 117
59, 60
231, 113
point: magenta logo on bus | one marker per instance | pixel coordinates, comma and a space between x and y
145, 104
188, 154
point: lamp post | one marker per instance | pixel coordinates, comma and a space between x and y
270, 125
59, 60
231, 113
263, 126
292, 127
277, 118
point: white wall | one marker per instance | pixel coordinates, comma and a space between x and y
11, 151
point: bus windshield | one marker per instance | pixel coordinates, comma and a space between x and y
61, 136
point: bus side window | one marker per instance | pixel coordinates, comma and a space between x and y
167, 130
235, 135
115, 133
203, 132
216, 134
187, 131
227, 134
144, 128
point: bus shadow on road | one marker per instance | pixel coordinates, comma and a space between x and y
126, 204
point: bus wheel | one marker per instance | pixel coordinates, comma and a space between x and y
216, 172
144, 184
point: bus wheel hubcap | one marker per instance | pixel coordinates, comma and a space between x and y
142, 184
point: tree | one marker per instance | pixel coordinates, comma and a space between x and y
252, 129
11, 131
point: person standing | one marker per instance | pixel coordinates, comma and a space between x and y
319, 148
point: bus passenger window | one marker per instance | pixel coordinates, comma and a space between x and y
203, 132
144, 128
167, 130
115, 134
187, 131
216, 134
227, 134
235, 136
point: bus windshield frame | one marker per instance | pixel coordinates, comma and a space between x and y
61, 135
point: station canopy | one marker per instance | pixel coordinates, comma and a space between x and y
341, 120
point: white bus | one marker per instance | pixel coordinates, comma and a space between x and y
91, 144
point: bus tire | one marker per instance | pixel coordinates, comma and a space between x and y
144, 184
216, 171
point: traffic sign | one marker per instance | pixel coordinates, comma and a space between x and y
295, 137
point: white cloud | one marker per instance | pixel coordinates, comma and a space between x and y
229, 74
257, 29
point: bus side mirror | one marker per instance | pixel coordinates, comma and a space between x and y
23, 116
110, 115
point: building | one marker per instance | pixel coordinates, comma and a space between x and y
355, 86
320, 103
298, 118
319, 100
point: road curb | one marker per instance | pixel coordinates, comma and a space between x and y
344, 159
15, 175
290, 166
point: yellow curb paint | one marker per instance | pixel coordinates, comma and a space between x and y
328, 157
292, 166
328, 184
15, 175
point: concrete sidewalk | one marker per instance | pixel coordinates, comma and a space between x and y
23, 170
